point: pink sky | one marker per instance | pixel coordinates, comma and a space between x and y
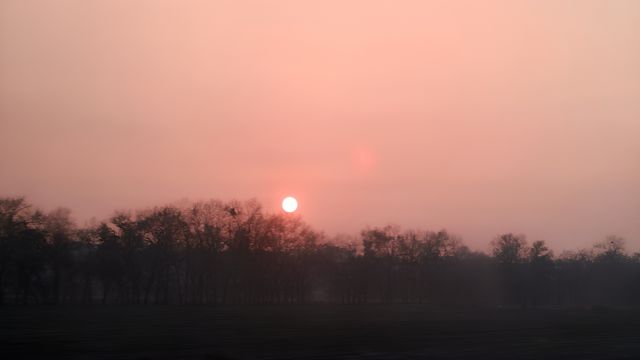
481, 117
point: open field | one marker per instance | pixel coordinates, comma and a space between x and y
315, 331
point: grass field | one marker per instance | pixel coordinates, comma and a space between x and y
315, 331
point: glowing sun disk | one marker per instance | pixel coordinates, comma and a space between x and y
289, 204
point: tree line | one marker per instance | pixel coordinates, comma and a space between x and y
215, 252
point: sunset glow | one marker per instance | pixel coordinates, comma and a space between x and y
468, 174
475, 116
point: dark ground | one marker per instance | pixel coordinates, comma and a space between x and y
315, 331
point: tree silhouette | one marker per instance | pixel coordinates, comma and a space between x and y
214, 252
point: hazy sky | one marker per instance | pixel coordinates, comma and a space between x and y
477, 116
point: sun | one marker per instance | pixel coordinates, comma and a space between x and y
289, 204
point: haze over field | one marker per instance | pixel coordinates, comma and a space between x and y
479, 117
